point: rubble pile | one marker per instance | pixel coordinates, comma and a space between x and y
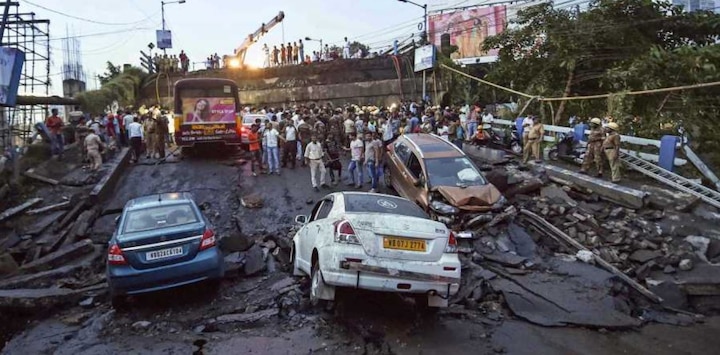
47, 257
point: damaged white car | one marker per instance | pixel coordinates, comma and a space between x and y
376, 242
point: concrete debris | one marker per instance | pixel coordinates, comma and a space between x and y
61, 256
685, 265
17, 209
254, 261
42, 223
31, 174
143, 324
8, 265
42, 299
82, 266
284, 283
644, 255
585, 256
83, 223
235, 242
87, 303
553, 192
55, 207
252, 201
661, 198
247, 317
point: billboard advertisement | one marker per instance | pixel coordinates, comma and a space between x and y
424, 57
11, 62
468, 29
164, 39
208, 119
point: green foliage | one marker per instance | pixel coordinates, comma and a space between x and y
122, 87
111, 72
616, 47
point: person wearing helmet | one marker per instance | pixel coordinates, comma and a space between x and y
594, 147
611, 146
536, 132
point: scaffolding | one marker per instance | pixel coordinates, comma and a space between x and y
31, 35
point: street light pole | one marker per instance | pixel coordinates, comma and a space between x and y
426, 41
162, 13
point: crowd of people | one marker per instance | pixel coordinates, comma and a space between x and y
294, 53
171, 64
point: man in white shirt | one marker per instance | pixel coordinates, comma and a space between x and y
526, 124
313, 157
357, 147
135, 133
346, 49
127, 120
270, 136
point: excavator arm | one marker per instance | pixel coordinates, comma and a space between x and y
254, 37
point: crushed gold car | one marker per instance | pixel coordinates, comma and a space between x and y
440, 178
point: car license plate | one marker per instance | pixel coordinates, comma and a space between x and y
164, 253
403, 244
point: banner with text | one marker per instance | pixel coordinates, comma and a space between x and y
468, 29
208, 119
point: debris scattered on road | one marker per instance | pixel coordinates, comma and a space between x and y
252, 201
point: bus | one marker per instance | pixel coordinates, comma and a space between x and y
207, 110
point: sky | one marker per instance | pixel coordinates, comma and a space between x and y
116, 30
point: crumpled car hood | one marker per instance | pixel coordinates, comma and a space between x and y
471, 198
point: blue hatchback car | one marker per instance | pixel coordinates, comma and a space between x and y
161, 241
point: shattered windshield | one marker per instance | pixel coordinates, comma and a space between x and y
458, 171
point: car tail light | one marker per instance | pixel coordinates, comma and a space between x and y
344, 233
115, 255
208, 239
452, 244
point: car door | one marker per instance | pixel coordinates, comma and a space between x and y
413, 172
314, 233
401, 153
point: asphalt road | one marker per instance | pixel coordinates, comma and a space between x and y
364, 323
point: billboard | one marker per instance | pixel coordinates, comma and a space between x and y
207, 119
424, 57
468, 29
164, 39
11, 62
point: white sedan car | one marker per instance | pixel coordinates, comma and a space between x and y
375, 242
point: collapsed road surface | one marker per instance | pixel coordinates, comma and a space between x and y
507, 303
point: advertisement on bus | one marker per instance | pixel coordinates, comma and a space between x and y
468, 30
208, 119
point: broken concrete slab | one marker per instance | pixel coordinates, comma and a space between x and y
254, 261
507, 259
106, 185
672, 295
661, 198
42, 223
55, 207
622, 195
8, 266
645, 255
247, 317
554, 192
235, 242
44, 298
60, 257
33, 175
70, 216
17, 209
82, 266
83, 223
524, 244
578, 294
288, 281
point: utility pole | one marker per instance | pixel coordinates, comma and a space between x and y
425, 41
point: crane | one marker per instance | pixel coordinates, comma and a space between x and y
254, 37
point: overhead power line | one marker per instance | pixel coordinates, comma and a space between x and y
89, 20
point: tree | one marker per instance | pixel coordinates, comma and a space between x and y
111, 72
123, 87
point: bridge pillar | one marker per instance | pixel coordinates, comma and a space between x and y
666, 159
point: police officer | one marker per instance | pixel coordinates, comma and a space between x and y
594, 147
611, 146
536, 132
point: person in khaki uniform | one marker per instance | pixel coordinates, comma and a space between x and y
161, 132
611, 146
594, 147
149, 130
535, 136
94, 145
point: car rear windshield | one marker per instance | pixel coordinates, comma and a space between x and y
382, 204
456, 171
159, 217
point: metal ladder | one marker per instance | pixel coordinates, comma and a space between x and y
710, 196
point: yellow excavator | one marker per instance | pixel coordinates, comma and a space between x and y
238, 59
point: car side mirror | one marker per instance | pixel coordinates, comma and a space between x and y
301, 219
117, 220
